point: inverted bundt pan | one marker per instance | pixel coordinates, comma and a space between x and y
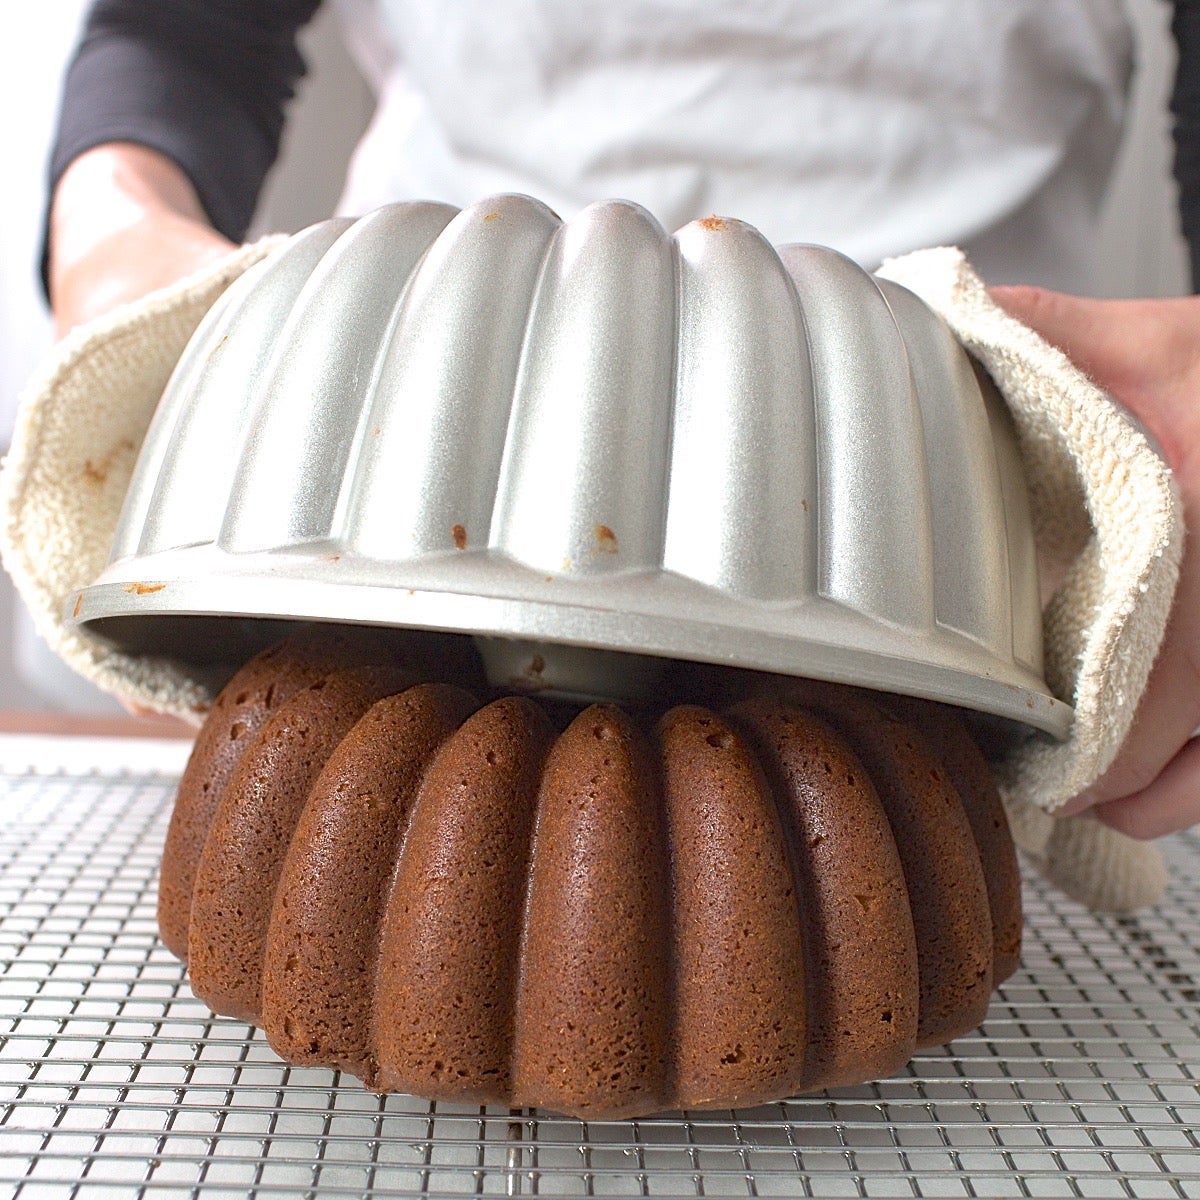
589, 435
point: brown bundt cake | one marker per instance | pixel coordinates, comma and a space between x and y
461, 901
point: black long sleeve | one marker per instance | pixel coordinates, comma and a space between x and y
204, 82
1185, 108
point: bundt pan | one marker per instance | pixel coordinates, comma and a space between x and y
596, 447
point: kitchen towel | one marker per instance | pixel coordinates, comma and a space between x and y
1107, 522
1109, 530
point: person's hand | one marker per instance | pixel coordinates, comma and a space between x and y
1146, 353
125, 220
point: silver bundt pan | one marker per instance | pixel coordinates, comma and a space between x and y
589, 436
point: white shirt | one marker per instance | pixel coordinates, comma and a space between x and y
875, 126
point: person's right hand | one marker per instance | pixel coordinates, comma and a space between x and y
1145, 353
125, 221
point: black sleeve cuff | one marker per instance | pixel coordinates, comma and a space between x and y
1185, 108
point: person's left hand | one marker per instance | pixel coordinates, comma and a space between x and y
125, 220
1146, 353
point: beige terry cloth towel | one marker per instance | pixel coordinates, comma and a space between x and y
1109, 529
80, 424
1104, 506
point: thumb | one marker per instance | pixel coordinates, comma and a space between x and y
1093, 334
1146, 353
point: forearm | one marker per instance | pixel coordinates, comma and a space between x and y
111, 188
171, 116
124, 221
203, 82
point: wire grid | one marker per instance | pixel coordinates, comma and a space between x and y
116, 1082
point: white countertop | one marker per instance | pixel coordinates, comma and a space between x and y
56, 743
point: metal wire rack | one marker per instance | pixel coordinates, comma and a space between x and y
115, 1082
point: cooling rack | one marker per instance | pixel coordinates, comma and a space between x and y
115, 1082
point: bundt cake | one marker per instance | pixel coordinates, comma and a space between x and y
600, 914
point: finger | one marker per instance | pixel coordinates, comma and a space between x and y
1080, 804
1077, 326
1146, 353
1093, 334
1169, 804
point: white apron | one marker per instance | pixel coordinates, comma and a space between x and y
875, 126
